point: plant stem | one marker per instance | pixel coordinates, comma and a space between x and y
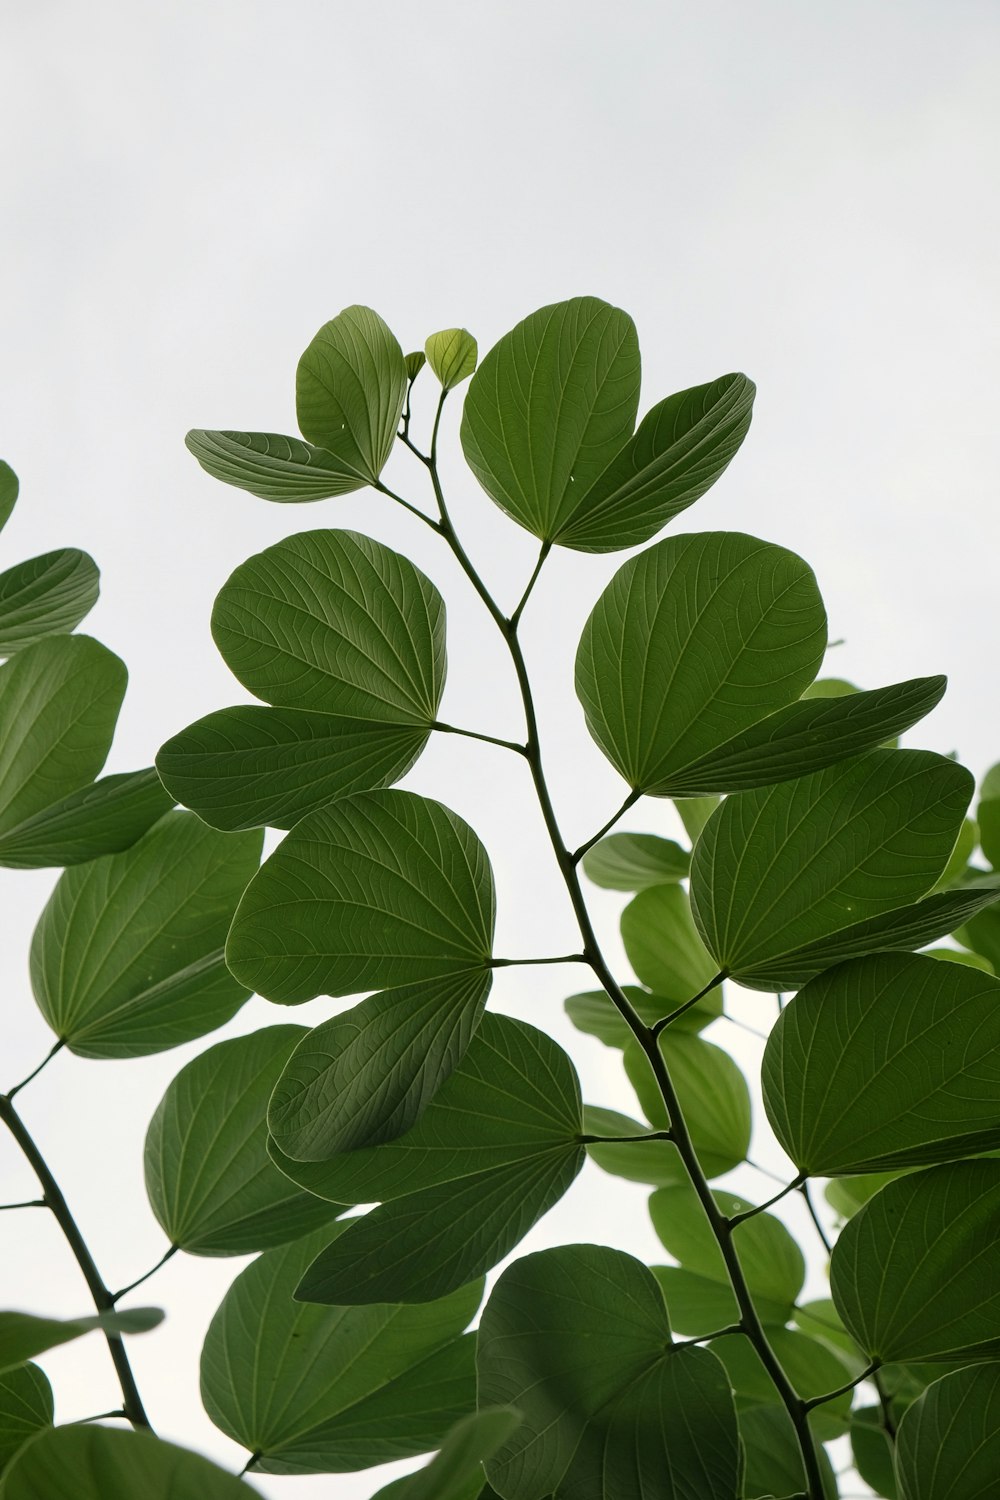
562, 958
751, 1213
630, 801
28, 1203
519, 611
117, 1296
666, 1020
624, 1140
35, 1071
810, 1205
384, 489
472, 734
842, 1390
103, 1300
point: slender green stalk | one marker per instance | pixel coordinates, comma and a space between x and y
620, 1140
28, 1203
35, 1071
561, 958
751, 1213
630, 801
472, 734
103, 1300
117, 1296
666, 1020
842, 1390
519, 611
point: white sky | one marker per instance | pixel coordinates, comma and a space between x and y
803, 191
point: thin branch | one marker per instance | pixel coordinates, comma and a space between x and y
35, 1071
810, 1205
519, 611
28, 1203
842, 1390
751, 1213
885, 1402
702, 1338
735, 1021
562, 958
764, 1171
101, 1416
619, 1140
384, 489
665, 1021
630, 801
473, 734
117, 1296
257, 1454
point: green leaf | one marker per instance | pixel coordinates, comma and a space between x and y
847, 1194
650, 1161
773, 1457
820, 1319
333, 1389
367, 1075
452, 356
664, 948
886, 1062
498, 1145
414, 364
577, 1339
694, 813
916, 1273
713, 1096
209, 1179
549, 408
956, 956
46, 595
59, 702
965, 845
812, 1367
692, 643
456, 1472
272, 466
593, 1013
873, 1451
981, 933
104, 818
696, 1304
349, 391
104, 1463
379, 889
787, 880
23, 1336
948, 1445
8, 492
634, 861
830, 687
335, 622
127, 958
246, 766
26, 1407
988, 820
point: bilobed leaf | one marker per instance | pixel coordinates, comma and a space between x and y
104, 1463
713, 1095
333, 1389
456, 1472
377, 890
272, 466
246, 766
367, 1075
593, 1013
773, 1457
634, 861
209, 1179
783, 877
349, 391
885, 1062
452, 356
664, 948
577, 1340
8, 492
692, 643
337, 623
549, 408
650, 1161
47, 595
104, 818
59, 702
916, 1273
948, 1444
127, 957
23, 1335
26, 1407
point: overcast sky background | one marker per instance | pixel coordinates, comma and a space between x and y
803, 191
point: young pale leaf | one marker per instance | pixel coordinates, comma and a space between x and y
593, 1013
379, 889
414, 364
694, 813
692, 643
47, 595
335, 622
452, 356
8, 492
885, 1062
333, 1389
948, 1445
104, 1463
26, 1407
651, 1161
127, 958
784, 876
209, 1179
634, 861
59, 702
367, 1075
23, 1336
713, 1095
663, 947
549, 408
272, 466
577, 1340
246, 766
104, 818
456, 1472
773, 1457
498, 1145
916, 1273
349, 391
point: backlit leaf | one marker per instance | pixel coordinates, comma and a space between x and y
873, 1450
651, 1161
26, 1407
456, 1472
104, 818
713, 1096
948, 1445
273, 466
46, 595
773, 1456
23, 1335
813, 1368
633, 861
8, 492
664, 948
593, 1013
104, 1463
349, 391
452, 356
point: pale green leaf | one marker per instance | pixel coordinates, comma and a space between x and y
46, 595
664, 948
712, 1092
349, 391
452, 355
593, 1013
8, 492
634, 861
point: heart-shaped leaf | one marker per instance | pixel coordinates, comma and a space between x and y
26, 1407
46, 595
103, 1463
349, 391
663, 947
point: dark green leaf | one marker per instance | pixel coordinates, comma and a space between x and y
965, 845
333, 1389
873, 1451
104, 818
916, 1273
948, 1445
245, 766
773, 1456
210, 1181
380, 889
272, 466
650, 1161
456, 1473
664, 948
593, 1013
783, 880
452, 356
25, 1408
633, 861
46, 595
885, 1062
349, 391
59, 702
103, 1463
127, 956
981, 932
335, 622
367, 1075
692, 643
23, 1336
577, 1340
8, 492
988, 820
713, 1095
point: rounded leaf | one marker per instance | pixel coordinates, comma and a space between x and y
948, 1445
26, 1407
349, 391
634, 861
663, 947
456, 1472
104, 1463
23, 1335
46, 595
8, 492
713, 1095
452, 355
